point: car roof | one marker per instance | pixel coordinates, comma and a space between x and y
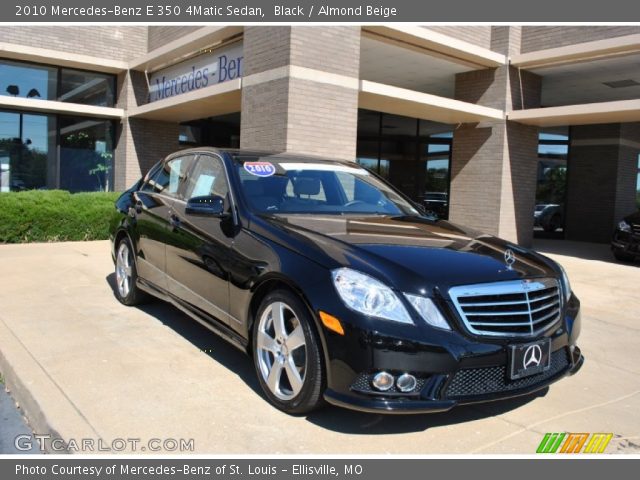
262, 154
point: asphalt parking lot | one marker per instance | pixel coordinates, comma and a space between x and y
82, 366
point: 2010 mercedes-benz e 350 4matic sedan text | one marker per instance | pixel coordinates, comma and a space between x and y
339, 287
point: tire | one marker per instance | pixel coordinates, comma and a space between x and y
623, 256
127, 290
286, 354
553, 225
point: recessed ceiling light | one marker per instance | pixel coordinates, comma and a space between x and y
621, 83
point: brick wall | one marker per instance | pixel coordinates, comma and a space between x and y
264, 116
601, 179
477, 35
628, 167
476, 173
323, 119
266, 48
494, 163
541, 37
300, 115
161, 35
506, 39
142, 143
334, 49
112, 42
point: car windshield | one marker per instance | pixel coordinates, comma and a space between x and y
293, 186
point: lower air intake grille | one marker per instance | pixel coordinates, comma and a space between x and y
470, 382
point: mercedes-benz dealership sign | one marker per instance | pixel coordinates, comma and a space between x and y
217, 66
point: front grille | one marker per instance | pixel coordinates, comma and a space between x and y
514, 308
470, 382
635, 228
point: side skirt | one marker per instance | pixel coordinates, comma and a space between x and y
205, 320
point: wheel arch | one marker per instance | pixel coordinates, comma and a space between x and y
281, 282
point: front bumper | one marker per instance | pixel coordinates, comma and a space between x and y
452, 368
626, 242
427, 400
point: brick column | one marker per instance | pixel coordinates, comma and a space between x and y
494, 163
603, 163
140, 143
300, 90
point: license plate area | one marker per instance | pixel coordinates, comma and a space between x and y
529, 358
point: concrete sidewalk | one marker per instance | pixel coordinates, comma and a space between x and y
83, 366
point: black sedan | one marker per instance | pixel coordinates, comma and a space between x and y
625, 244
339, 287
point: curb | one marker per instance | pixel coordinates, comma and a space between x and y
28, 382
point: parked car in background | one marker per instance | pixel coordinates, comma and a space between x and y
625, 244
436, 203
549, 216
339, 288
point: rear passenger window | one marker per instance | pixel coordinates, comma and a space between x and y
168, 178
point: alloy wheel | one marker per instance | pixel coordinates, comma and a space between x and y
123, 270
281, 350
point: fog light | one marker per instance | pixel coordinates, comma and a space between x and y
406, 383
382, 381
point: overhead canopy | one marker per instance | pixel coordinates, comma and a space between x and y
400, 101
50, 106
63, 59
585, 114
218, 99
439, 44
187, 46
578, 52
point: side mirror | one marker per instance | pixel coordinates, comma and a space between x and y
209, 205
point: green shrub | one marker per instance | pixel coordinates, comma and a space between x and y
55, 216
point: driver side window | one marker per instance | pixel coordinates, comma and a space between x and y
207, 178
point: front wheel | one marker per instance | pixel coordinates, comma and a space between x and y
554, 224
286, 354
623, 256
127, 290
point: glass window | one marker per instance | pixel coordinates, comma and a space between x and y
638, 185
25, 80
158, 181
169, 177
27, 151
207, 178
319, 187
86, 154
87, 88
553, 150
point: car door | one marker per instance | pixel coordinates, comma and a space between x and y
199, 252
152, 206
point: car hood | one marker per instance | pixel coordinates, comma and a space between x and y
411, 252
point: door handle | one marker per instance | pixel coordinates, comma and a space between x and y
174, 221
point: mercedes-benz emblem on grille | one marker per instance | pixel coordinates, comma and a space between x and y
509, 258
532, 356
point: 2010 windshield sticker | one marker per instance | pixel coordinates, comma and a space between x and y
260, 169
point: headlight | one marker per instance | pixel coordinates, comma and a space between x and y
566, 286
367, 295
624, 226
428, 311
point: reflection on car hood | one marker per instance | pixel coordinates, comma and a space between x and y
438, 251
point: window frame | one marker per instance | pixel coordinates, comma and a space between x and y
58, 73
